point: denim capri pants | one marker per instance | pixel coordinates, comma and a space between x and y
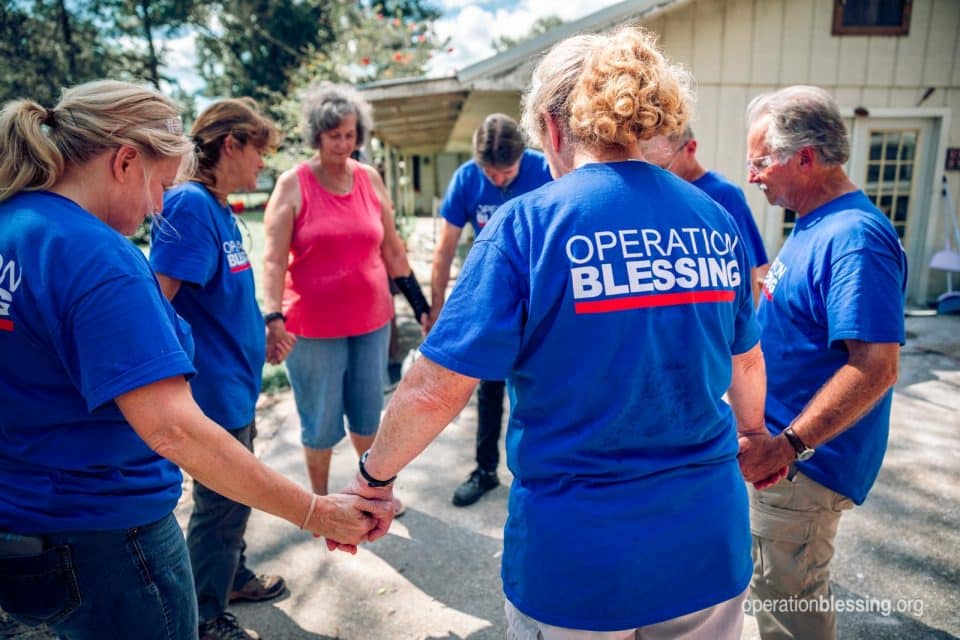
337, 377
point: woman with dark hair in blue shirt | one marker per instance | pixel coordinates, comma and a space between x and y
97, 413
202, 265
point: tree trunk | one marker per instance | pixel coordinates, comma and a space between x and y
67, 42
153, 64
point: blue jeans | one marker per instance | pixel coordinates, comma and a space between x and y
333, 377
215, 542
125, 583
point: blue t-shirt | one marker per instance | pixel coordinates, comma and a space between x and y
731, 198
471, 197
613, 299
82, 321
199, 243
841, 275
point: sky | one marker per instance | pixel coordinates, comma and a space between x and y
471, 27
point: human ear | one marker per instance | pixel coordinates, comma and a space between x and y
121, 162
554, 131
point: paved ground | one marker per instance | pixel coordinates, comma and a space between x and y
436, 576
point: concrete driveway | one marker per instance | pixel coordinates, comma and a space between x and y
436, 576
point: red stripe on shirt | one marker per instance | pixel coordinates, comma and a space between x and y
6, 325
659, 300
240, 267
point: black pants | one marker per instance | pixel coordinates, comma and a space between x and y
215, 540
489, 423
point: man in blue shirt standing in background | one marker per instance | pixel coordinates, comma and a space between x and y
678, 154
501, 169
831, 321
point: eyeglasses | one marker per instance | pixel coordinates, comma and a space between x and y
756, 165
673, 156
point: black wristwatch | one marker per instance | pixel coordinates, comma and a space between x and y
274, 315
371, 481
803, 451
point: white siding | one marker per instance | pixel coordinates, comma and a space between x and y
738, 49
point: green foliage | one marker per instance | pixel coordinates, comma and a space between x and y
539, 27
274, 378
149, 23
368, 45
250, 47
49, 44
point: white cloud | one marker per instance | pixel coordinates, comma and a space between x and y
472, 27
180, 62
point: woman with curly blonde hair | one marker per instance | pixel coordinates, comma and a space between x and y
616, 306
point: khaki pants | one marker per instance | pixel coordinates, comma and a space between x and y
723, 621
794, 524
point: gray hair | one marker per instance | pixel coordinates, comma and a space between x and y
802, 116
326, 105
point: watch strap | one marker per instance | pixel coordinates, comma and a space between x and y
273, 315
371, 481
795, 442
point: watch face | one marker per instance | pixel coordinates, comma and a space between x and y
806, 454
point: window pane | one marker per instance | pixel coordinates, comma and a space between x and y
909, 145
893, 146
873, 173
889, 173
903, 202
877, 13
906, 173
876, 145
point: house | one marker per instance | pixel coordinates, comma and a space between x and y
893, 66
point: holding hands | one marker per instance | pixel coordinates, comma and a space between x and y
279, 341
346, 520
764, 459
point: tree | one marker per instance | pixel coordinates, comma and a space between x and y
253, 46
149, 23
367, 45
49, 44
539, 27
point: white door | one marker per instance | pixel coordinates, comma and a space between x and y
892, 160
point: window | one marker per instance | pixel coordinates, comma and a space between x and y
890, 169
871, 17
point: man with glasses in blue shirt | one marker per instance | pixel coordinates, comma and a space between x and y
678, 154
831, 322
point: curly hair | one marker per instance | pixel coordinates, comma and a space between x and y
326, 105
628, 92
237, 117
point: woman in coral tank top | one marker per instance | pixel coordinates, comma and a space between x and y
331, 243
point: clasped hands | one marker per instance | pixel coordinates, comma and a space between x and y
763, 458
363, 514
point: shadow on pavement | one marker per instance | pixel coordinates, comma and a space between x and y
466, 578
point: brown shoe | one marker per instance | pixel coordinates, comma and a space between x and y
226, 627
259, 587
